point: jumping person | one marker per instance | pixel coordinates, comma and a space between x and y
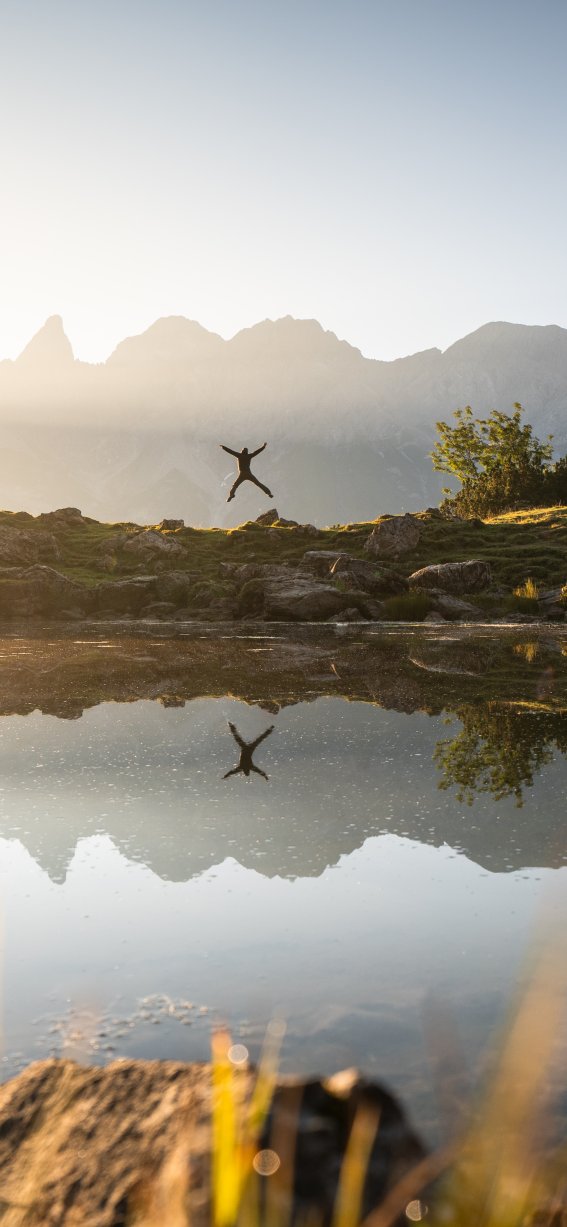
247, 749
244, 457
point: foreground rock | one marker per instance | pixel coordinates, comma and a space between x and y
84, 1147
453, 577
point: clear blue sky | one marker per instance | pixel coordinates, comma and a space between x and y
393, 168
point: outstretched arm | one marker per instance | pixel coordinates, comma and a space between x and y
240, 741
258, 450
231, 450
262, 737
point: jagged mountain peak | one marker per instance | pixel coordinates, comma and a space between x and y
170, 337
50, 345
288, 335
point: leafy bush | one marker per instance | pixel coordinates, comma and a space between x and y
500, 463
407, 607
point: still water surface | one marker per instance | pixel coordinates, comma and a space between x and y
382, 858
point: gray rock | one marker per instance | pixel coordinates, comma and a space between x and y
268, 517
150, 544
159, 610
172, 525
174, 586
550, 596
125, 595
300, 600
393, 537
320, 562
18, 546
453, 607
434, 616
69, 515
367, 576
25, 592
454, 577
350, 614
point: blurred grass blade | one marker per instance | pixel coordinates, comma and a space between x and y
226, 1158
266, 1078
354, 1168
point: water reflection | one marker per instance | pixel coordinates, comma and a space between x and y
499, 750
247, 749
349, 887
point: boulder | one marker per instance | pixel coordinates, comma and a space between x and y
320, 562
63, 515
454, 577
125, 595
350, 614
149, 543
453, 607
434, 616
175, 586
18, 546
393, 537
25, 592
358, 573
172, 525
268, 517
300, 599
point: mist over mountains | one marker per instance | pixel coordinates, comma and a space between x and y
136, 437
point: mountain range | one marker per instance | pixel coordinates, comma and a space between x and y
136, 437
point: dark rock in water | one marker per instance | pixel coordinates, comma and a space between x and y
393, 537
454, 577
268, 517
313, 1121
160, 610
350, 614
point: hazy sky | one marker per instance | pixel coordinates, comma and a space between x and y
393, 168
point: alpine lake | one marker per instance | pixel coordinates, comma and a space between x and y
359, 829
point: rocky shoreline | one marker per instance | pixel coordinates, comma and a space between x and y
51, 567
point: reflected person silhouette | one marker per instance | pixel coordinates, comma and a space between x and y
247, 749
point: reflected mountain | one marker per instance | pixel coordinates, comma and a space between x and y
432, 722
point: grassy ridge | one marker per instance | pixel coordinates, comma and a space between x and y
519, 545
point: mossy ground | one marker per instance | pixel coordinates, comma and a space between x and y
520, 545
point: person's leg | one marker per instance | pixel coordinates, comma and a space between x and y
234, 488
261, 487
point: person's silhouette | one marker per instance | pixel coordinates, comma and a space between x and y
244, 474
247, 749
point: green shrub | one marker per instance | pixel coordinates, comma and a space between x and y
528, 589
519, 604
251, 597
408, 607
